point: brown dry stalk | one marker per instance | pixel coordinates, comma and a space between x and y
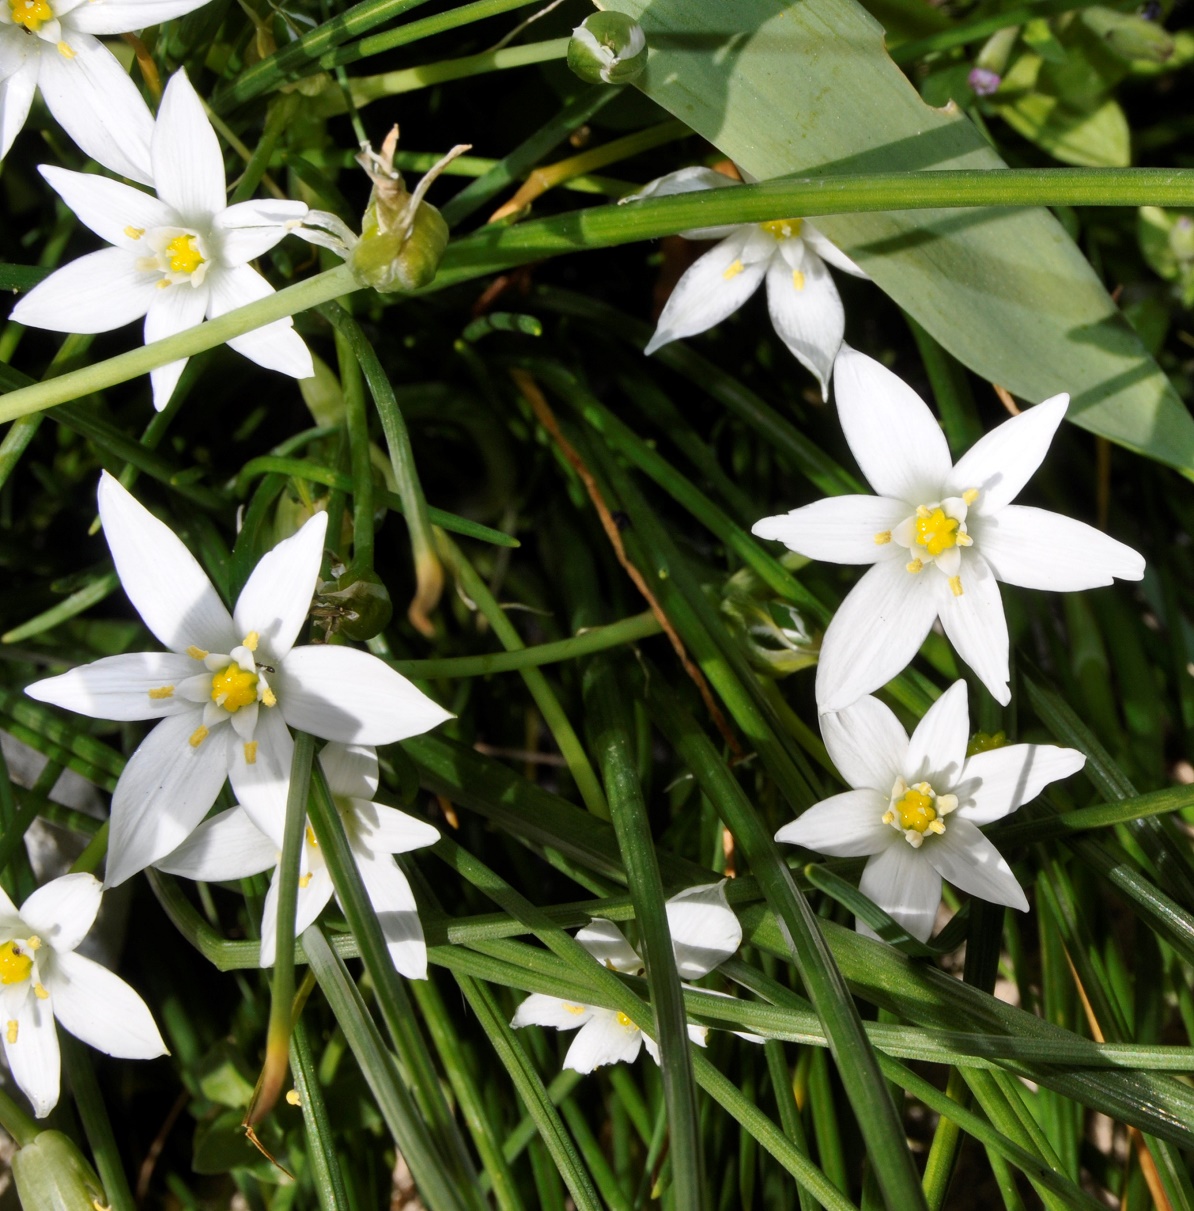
546, 417
1005, 398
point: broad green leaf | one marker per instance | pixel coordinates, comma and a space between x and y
808, 88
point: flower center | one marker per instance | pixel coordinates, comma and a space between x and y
917, 810
184, 255
935, 531
32, 14
15, 964
178, 254
783, 229
233, 687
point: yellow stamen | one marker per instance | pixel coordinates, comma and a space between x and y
250, 752
311, 838
184, 254
935, 531
251, 640
234, 687
164, 284
196, 653
574, 1009
39, 991
733, 271
293, 1098
955, 585
33, 943
797, 279
11, 1033
15, 964
65, 51
783, 229
198, 736
970, 496
268, 697
915, 809
913, 567
882, 538
162, 691
964, 540
134, 233
304, 880
32, 14
624, 1021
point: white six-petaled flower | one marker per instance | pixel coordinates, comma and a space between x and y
175, 258
939, 536
705, 932
917, 806
231, 846
226, 689
789, 253
42, 978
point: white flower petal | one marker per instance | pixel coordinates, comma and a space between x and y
905, 886
715, 286
108, 207
165, 791
970, 862
893, 435
997, 782
603, 1040
124, 16
351, 769
249, 229
1036, 549
689, 180
309, 903
228, 846
704, 929
97, 104
188, 169
275, 346
277, 597
839, 529
162, 578
1000, 463
16, 98
63, 911
849, 825
828, 251
875, 634
385, 830
118, 687
937, 749
99, 1008
173, 309
807, 314
541, 1010
262, 786
341, 694
34, 1059
608, 945
867, 743
98, 292
392, 900
975, 624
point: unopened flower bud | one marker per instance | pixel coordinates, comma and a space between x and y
358, 607
1128, 36
773, 647
608, 48
53, 1175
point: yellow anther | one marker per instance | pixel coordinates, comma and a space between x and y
955, 585
65, 51
32, 14
293, 1098
198, 736
914, 566
165, 284
134, 233
251, 641
39, 991
196, 653
915, 810
311, 841
624, 1021
184, 254
970, 496
882, 538
797, 279
11, 1032
268, 697
15, 964
936, 826
575, 1010
783, 229
935, 530
963, 540
162, 691
304, 880
33, 943
250, 752
733, 271
233, 687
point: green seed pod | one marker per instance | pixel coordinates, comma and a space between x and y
359, 607
52, 1175
608, 48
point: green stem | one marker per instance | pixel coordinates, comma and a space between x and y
21, 1126
357, 419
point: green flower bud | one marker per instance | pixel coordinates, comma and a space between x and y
1128, 36
359, 607
774, 635
52, 1175
608, 48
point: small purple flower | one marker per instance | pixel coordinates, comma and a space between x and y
983, 82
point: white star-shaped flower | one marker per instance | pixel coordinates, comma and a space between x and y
231, 846
705, 932
789, 253
176, 258
939, 536
226, 689
917, 806
42, 978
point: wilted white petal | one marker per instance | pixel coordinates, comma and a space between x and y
937, 748
1037, 549
98, 292
385, 830
828, 251
249, 229
604, 1039
839, 529
341, 694
161, 577
875, 634
975, 624
1000, 463
34, 1059
849, 825
16, 95
711, 289
541, 1010
188, 169
704, 929
99, 1008
608, 945
262, 785
970, 862
277, 597
172, 309
108, 207
867, 743
893, 435
807, 314
351, 769
905, 886
397, 914
118, 687
63, 911
996, 782
276, 346
228, 846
